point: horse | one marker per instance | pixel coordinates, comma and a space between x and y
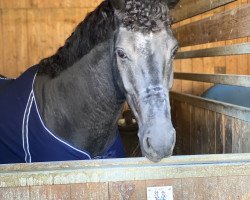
237, 95
71, 101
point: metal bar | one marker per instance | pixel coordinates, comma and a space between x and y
113, 170
236, 49
235, 111
189, 8
240, 80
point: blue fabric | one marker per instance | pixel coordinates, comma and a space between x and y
23, 135
237, 95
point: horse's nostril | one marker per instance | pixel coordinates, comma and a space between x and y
148, 143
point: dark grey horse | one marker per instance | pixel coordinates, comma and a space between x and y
122, 51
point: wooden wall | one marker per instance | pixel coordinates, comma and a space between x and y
210, 177
212, 127
239, 64
202, 131
34, 29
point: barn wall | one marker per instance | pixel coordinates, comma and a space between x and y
34, 29
210, 128
239, 64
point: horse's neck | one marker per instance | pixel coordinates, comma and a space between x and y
81, 104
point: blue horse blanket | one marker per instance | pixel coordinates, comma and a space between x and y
237, 95
23, 135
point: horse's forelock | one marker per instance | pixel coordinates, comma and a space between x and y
145, 15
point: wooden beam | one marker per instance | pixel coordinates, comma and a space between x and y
239, 80
112, 170
229, 25
189, 8
236, 49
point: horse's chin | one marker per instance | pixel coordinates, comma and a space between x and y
154, 157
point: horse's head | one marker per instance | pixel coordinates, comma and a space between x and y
144, 51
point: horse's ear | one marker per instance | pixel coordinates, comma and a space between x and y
118, 4
171, 3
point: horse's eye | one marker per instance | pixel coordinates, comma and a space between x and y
121, 54
175, 50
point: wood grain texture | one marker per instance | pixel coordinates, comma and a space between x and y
49, 4
220, 133
229, 131
48, 30
50, 192
244, 139
90, 191
14, 35
14, 4
199, 188
189, 8
232, 24
14, 193
127, 190
30, 34
201, 131
186, 66
209, 139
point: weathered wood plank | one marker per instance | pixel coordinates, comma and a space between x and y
14, 4
240, 80
209, 136
49, 4
225, 26
245, 136
14, 193
192, 131
184, 131
189, 8
198, 132
228, 123
50, 192
201, 131
14, 35
236, 49
177, 83
220, 133
230, 188
186, 66
127, 190
90, 191
178, 120
115, 170
244, 187
197, 67
235, 111
48, 30
199, 188
237, 136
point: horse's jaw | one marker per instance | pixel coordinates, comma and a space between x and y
156, 133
